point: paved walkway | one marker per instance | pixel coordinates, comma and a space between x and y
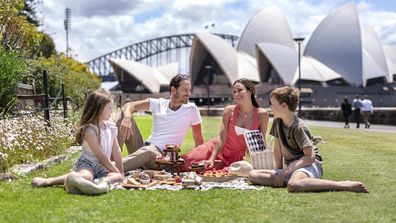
376, 128
373, 127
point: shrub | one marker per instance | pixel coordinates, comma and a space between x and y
28, 139
12, 69
74, 75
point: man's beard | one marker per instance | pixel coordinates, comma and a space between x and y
181, 99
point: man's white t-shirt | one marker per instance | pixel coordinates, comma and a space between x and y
171, 127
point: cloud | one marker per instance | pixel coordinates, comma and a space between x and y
384, 24
101, 26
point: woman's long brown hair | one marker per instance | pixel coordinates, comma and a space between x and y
93, 107
250, 87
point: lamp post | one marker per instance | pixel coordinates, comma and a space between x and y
209, 27
208, 67
139, 88
67, 24
299, 41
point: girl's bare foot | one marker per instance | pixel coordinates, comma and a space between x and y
39, 182
355, 186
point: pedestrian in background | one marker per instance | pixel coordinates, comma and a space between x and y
346, 108
357, 106
367, 110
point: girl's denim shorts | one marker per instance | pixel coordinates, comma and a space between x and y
97, 169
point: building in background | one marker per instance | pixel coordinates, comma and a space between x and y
340, 58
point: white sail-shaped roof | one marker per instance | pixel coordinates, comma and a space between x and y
247, 67
269, 25
233, 64
390, 54
371, 69
149, 77
222, 52
337, 43
283, 59
169, 71
314, 70
374, 61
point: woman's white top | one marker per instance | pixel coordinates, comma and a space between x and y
107, 136
240, 130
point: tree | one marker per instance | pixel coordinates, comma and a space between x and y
47, 46
12, 70
76, 77
17, 34
20, 41
29, 10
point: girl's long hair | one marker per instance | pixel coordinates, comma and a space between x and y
93, 107
250, 87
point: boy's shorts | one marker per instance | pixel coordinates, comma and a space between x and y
313, 171
97, 169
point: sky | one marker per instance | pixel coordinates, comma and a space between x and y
101, 26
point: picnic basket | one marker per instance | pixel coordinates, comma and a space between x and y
262, 157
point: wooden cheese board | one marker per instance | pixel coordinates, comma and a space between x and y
127, 185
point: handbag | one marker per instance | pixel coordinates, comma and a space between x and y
261, 156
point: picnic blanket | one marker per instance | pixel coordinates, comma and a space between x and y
236, 184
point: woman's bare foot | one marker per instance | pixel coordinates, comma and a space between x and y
39, 182
354, 186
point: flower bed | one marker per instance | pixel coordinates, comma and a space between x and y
29, 139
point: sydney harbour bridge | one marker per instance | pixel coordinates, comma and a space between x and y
161, 51
154, 52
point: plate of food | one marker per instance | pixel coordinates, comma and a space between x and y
217, 176
174, 181
129, 184
197, 167
142, 181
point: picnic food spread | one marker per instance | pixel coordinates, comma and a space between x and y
190, 180
217, 176
139, 179
171, 159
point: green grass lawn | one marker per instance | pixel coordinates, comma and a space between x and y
348, 154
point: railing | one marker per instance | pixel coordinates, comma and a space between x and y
44, 101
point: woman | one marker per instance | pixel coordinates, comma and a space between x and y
346, 108
230, 146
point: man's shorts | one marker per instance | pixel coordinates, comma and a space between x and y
313, 171
97, 169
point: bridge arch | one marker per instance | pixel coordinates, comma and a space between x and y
153, 52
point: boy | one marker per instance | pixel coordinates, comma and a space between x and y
293, 143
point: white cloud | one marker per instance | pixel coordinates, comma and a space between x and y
384, 23
101, 26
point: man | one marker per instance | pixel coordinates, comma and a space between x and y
171, 120
357, 105
367, 110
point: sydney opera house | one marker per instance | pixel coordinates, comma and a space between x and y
339, 58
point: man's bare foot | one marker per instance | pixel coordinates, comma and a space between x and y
39, 182
355, 186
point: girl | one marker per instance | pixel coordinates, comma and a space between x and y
93, 172
230, 147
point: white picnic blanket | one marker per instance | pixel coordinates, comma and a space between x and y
236, 184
